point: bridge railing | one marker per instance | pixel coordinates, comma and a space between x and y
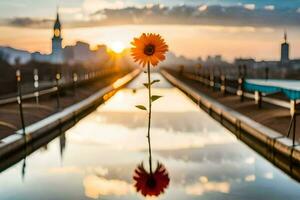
260, 92
236, 83
46, 96
37, 88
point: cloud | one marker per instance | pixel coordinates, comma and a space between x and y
202, 8
29, 22
204, 186
91, 6
269, 7
246, 15
96, 187
249, 6
250, 178
203, 14
13, 4
69, 10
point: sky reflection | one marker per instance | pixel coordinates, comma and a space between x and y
204, 160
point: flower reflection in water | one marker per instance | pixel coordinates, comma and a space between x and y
149, 49
151, 184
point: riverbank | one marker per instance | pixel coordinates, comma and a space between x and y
49, 103
35, 130
235, 118
275, 117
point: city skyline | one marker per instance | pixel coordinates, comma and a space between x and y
200, 47
233, 29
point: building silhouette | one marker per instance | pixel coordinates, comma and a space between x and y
57, 54
285, 50
57, 50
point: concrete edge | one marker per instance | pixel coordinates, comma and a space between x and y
271, 138
38, 129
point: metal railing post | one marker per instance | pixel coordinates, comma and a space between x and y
245, 71
212, 80
57, 78
240, 91
181, 69
223, 84
294, 129
267, 73
293, 123
258, 98
19, 99
75, 79
36, 85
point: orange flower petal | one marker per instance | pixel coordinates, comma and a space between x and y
137, 51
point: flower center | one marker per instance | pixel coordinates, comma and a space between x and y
149, 49
151, 182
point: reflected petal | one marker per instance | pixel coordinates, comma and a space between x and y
151, 184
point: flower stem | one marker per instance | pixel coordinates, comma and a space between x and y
149, 117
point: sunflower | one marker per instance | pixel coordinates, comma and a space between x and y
149, 49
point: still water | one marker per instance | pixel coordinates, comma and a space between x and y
97, 157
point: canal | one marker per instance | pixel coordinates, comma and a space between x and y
96, 158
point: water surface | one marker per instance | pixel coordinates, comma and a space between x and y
96, 158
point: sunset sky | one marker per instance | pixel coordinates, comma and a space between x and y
193, 28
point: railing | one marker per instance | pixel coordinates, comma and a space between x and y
56, 87
243, 126
49, 87
237, 86
45, 126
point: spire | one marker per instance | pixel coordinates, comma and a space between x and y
285, 36
57, 24
57, 13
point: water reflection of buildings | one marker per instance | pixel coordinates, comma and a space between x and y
62, 144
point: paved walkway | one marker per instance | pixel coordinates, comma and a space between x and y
33, 112
272, 116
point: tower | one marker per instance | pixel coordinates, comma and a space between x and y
285, 48
57, 51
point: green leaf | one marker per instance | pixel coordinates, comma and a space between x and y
155, 97
146, 85
141, 107
155, 81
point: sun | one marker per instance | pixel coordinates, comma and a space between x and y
117, 46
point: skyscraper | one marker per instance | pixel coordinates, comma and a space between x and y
57, 51
285, 48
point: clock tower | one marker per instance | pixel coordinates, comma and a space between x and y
57, 51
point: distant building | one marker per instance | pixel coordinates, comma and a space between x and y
285, 48
81, 53
38, 57
57, 55
249, 62
264, 64
214, 60
57, 50
78, 53
11, 55
284, 59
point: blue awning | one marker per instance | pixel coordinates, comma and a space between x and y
291, 88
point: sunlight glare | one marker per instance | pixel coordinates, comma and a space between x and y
117, 46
